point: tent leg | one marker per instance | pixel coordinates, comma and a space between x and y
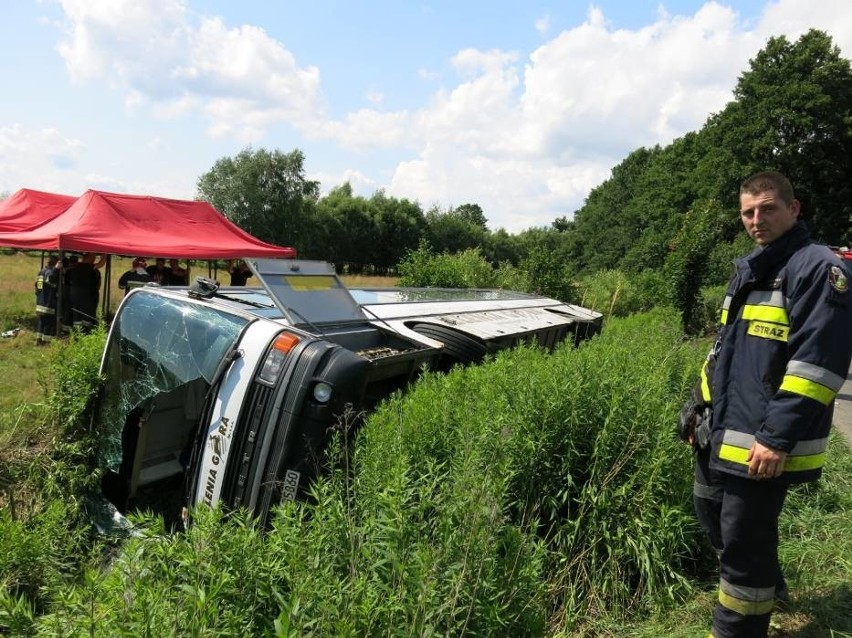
59, 304
105, 299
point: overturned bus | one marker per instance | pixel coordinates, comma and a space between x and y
228, 395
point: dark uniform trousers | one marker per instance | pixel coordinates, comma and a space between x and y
740, 516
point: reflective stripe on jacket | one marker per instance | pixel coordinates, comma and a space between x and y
46, 290
782, 355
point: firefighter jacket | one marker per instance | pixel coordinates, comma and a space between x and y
782, 354
47, 290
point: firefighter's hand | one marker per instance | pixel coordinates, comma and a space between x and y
765, 462
687, 421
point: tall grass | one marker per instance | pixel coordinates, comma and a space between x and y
565, 453
44, 474
521, 497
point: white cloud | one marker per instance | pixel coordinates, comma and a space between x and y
527, 194
428, 74
45, 153
121, 40
593, 87
108, 183
542, 25
176, 64
47, 159
367, 129
793, 18
528, 144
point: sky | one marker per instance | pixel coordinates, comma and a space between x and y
520, 107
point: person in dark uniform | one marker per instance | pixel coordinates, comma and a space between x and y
67, 319
135, 277
239, 272
179, 276
47, 291
160, 273
84, 284
761, 412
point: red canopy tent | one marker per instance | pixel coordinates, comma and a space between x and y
139, 225
29, 208
116, 224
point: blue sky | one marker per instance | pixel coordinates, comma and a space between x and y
521, 107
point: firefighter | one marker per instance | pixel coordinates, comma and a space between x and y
84, 283
135, 277
762, 409
47, 294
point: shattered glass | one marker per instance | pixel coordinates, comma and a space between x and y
157, 345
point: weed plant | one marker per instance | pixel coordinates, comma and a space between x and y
615, 294
73, 380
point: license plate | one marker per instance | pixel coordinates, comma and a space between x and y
290, 485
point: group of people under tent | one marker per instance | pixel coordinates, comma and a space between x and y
141, 273
71, 285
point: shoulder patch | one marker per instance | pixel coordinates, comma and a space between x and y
838, 279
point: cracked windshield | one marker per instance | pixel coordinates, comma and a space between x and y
165, 351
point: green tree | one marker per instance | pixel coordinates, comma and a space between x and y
263, 192
686, 263
472, 213
400, 225
322, 236
448, 232
562, 224
793, 113
500, 247
352, 249
608, 224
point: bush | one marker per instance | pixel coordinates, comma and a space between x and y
72, 380
706, 316
615, 294
548, 275
468, 269
687, 263
541, 272
509, 277
509, 498
45, 531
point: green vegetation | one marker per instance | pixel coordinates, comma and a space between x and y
554, 500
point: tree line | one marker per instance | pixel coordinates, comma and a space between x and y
791, 111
